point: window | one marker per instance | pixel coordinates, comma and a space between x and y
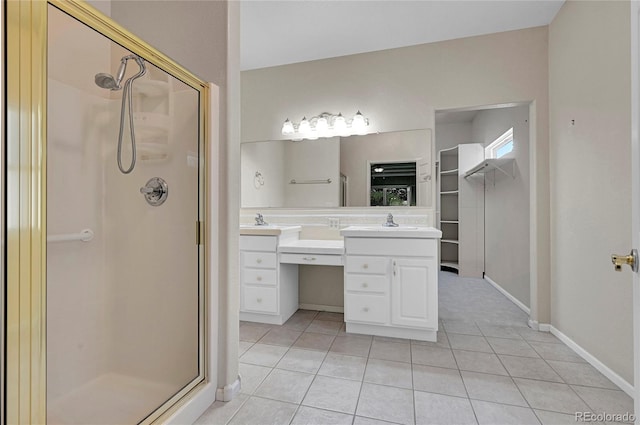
501, 146
393, 184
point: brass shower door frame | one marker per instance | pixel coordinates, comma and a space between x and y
26, 183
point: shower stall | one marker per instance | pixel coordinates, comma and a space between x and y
123, 202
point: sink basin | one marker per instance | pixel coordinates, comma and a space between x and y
385, 229
270, 229
391, 232
266, 226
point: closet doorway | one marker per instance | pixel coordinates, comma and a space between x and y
483, 203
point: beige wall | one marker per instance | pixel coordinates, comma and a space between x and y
267, 158
589, 82
312, 160
279, 162
400, 89
452, 134
203, 36
506, 202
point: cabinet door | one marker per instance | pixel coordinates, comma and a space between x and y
414, 293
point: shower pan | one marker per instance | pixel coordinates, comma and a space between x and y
125, 307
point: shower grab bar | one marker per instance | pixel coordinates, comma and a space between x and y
323, 181
85, 235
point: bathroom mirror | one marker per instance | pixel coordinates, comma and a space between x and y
339, 171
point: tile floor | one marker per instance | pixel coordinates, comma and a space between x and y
487, 367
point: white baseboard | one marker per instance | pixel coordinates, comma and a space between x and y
228, 392
589, 358
320, 307
508, 295
544, 327
601, 367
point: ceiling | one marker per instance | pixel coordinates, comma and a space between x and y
283, 32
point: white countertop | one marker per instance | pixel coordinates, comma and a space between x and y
380, 231
269, 230
313, 246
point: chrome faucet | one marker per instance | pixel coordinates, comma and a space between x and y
390, 222
260, 220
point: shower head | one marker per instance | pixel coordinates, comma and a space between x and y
106, 81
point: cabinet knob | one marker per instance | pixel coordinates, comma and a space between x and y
365, 309
365, 266
259, 260
259, 278
365, 285
259, 300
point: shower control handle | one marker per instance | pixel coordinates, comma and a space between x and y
155, 191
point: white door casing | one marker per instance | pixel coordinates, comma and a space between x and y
635, 173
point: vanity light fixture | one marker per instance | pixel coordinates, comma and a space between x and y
325, 125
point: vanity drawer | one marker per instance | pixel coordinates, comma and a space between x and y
259, 276
317, 259
258, 243
260, 260
263, 300
366, 283
366, 265
366, 308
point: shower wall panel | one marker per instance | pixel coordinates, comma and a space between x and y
76, 279
160, 277
77, 110
124, 309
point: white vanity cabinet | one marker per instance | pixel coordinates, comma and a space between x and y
414, 293
268, 289
391, 282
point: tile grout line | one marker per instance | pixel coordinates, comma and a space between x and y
411, 362
473, 409
355, 411
516, 385
413, 385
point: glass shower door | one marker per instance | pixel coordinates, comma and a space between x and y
124, 269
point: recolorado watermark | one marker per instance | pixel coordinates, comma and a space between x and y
604, 417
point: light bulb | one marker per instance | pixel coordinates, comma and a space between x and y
312, 135
304, 126
287, 128
378, 169
340, 125
359, 124
322, 126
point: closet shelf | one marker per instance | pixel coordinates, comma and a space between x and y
450, 151
448, 172
450, 264
500, 164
